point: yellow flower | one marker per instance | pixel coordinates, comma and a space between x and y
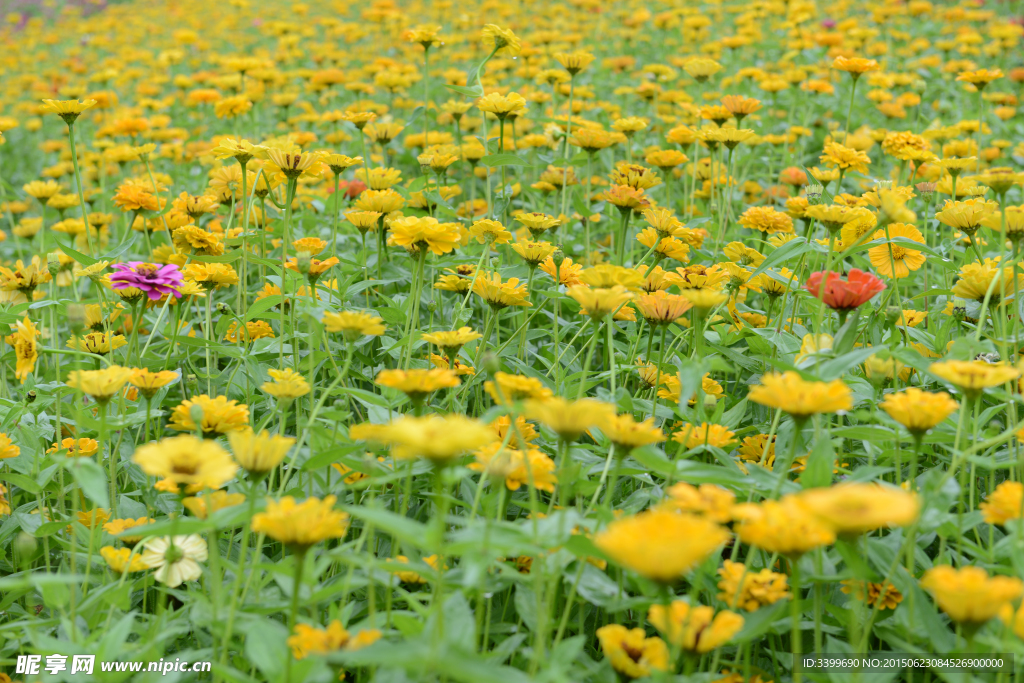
631, 652
661, 308
504, 41
451, 341
967, 215
784, 526
69, 110
701, 68
258, 453
703, 299
300, 526
853, 508
1004, 503
435, 437
918, 410
904, 258
73, 448
101, 385
599, 302
507, 388
705, 435
417, 384
574, 62
694, 629
149, 382
24, 342
97, 342
710, 501
310, 640
117, 527
659, 544
202, 506
517, 467
975, 282
799, 397
354, 324
219, 415
886, 597
969, 595
24, 278
500, 105
759, 589
490, 232
211, 275
498, 294
7, 448
416, 234
855, 66
627, 434
287, 385
973, 376
569, 419
117, 559
186, 461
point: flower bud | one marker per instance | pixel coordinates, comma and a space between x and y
558, 257
892, 314
76, 317
53, 263
304, 259
491, 362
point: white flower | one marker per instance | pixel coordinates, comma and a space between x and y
176, 562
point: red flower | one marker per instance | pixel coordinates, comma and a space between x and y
844, 295
351, 188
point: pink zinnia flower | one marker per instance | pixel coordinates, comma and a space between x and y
844, 295
152, 278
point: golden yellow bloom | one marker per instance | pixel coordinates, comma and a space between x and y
759, 588
659, 544
205, 504
101, 385
69, 110
117, 559
417, 384
117, 527
97, 342
574, 62
424, 233
569, 419
918, 410
286, 385
504, 41
694, 628
886, 597
300, 526
884, 257
435, 437
259, 453
500, 105
211, 275
507, 388
490, 232
785, 526
968, 594
976, 280
451, 341
853, 508
354, 324
73, 448
973, 376
498, 294
149, 382
323, 641
799, 397
7, 448
600, 302
24, 342
186, 461
966, 215
708, 500
701, 68
220, 415
705, 435
855, 66
631, 652
1004, 503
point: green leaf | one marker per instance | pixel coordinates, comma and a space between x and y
266, 647
91, 478
787, 252
78, 256
402, 528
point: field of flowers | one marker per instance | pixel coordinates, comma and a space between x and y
480, 342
